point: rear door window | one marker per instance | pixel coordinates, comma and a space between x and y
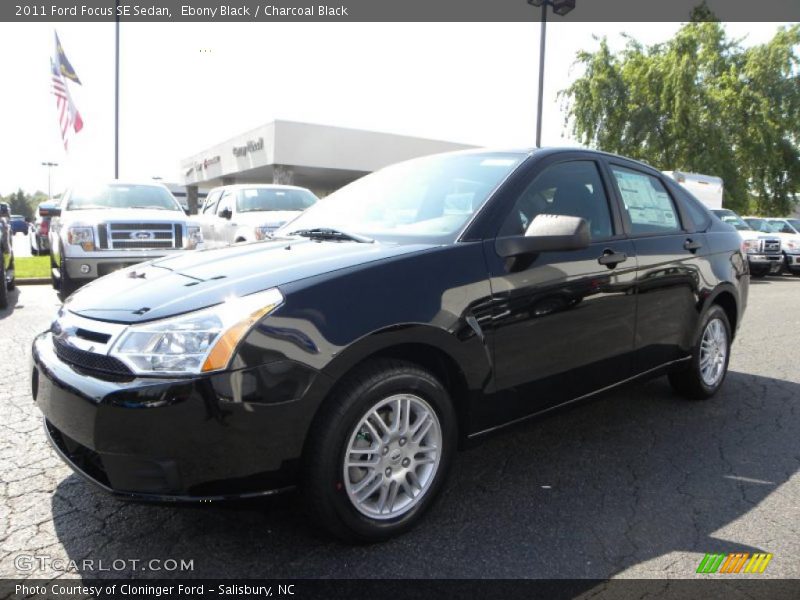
649, 206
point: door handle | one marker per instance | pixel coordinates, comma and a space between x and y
611, 259
691, 245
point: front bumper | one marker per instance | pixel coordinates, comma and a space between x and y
793, 262
92, 267
765, 263
232, 434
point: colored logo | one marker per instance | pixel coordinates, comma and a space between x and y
737, 562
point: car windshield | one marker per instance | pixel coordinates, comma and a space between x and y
122, 196
763, 225
731, 218
795, 223
274, 199
423, 200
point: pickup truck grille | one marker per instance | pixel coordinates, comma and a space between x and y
140, 236
772, 246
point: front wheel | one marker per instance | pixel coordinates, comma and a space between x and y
379, 452
706, 371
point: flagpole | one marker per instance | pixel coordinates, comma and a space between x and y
116, 95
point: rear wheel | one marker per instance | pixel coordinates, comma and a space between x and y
379, 452
706, 371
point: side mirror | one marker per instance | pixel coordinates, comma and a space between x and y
547, 233
226, 213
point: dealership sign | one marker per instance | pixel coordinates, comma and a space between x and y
251, 146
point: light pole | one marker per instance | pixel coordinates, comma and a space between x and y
49, 166
561, 8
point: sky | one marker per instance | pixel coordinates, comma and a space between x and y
187, 86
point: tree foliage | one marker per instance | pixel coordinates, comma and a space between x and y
702, 103
20, 203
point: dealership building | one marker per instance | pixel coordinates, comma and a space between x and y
319, 157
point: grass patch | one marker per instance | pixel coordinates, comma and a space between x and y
31, 267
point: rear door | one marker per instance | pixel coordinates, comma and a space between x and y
670, 255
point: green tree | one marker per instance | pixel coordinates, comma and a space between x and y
19, 205
700, 102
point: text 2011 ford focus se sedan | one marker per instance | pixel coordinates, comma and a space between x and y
421, 306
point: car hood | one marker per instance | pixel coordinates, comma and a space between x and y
193, 280
100, 215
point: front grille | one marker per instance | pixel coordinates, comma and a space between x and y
772, 246
139, 236
90, 361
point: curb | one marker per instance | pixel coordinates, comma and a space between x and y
33, 281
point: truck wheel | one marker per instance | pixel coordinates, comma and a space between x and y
3, 288
13, 283
706, 371
65, 284
53, 278
379, 451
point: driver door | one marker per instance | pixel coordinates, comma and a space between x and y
563, 321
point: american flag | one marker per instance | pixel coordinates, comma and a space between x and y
69, 119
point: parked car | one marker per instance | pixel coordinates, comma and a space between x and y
7, 278
424, 305
763, 249
40, 235
19, 225
98, 229
789, 230
250, 212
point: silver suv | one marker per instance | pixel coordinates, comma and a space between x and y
102, 228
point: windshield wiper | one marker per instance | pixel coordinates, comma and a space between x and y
328, 233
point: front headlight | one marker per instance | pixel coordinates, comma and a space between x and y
793, 245
81, 236
750, 246
196, 342
194, 236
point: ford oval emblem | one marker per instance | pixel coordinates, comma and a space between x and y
142, 235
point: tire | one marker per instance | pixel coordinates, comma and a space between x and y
3, 287
13, 283
699, 381
53, 281
345, 421
65, 285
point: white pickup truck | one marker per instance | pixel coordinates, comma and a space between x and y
102, 228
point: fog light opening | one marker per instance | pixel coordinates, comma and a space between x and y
85, 269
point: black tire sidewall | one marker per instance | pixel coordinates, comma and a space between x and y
420, 383
714, 312
3, 287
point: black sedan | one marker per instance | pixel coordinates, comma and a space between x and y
420, 307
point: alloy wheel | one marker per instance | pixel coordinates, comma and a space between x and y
713, 352
392, 456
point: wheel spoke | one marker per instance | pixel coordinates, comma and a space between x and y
368, 490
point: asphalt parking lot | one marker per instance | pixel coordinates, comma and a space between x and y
636, 483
